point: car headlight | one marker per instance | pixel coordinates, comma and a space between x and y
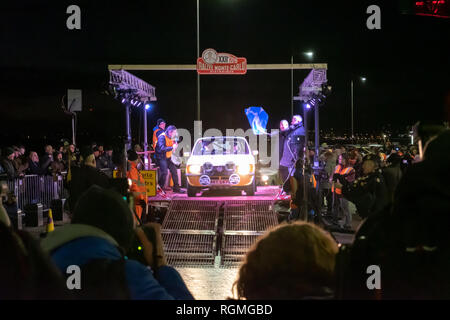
244, 169
194, 169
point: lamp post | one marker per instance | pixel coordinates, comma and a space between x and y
146, 107
198, 55
309, 55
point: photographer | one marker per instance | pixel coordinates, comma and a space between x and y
369, 192
101, 247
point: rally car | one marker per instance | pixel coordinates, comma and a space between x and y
221, 163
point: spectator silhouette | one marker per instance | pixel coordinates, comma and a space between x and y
85, 176
408, 240
292, 261
26, 272
97, 240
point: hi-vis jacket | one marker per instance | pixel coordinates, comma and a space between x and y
343, 172
137, 182
164, 147
156, 133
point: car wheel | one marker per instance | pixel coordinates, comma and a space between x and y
191, 191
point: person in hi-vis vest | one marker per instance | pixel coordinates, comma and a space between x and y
163, 153
157, 130
137, 188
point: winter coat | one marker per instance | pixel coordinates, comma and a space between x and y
78, 244
35, 168
45, 162
8, 167
292, 148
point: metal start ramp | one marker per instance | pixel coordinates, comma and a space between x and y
200, 233
248, 216
243, 223
189, 233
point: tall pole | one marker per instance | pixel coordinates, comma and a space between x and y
146, 162
198, 55
304, 208
73, 128
351, 89
316, 135
292, 87
127, 119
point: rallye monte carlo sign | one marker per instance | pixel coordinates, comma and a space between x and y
213, 62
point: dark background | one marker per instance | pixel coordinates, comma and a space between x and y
406, 63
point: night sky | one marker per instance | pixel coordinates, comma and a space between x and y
406, 63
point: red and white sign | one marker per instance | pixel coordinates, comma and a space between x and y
212, 62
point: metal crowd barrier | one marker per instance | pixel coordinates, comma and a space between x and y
33, 189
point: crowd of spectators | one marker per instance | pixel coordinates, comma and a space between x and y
365, 176
404, 233
16, 161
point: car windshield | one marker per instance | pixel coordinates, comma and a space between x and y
220, 146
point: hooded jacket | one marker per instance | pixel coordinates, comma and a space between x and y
77, 244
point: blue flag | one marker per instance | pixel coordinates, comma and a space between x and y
258, 119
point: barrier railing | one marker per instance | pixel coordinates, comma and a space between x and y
33, 189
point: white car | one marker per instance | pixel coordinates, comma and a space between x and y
221, 163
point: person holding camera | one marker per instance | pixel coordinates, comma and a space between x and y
369, 192
116, 260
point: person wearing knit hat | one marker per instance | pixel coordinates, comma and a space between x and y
160, 127
7, 162
95, 203
98, 240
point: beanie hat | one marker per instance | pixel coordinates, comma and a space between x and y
8, 151
106, 210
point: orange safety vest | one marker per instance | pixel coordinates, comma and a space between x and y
137, 186
313, 180
169, 143
342, 171
155, 138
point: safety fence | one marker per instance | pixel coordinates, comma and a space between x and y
34, 189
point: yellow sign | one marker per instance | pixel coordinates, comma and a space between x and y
150, 181
116, 174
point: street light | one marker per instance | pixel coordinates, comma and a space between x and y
309, 54
363, 79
